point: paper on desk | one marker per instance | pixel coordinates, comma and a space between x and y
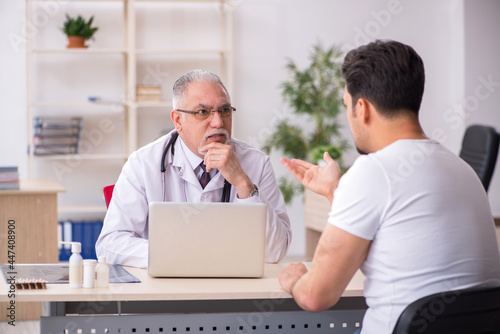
59, 273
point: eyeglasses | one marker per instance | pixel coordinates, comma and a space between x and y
205, 113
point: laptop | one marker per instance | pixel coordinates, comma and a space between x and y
206, 239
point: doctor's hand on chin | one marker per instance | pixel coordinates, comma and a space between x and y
222, 157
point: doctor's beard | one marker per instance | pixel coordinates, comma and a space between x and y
211, 133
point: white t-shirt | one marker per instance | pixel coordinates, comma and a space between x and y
430, 223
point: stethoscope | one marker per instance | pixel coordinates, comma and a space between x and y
226, 191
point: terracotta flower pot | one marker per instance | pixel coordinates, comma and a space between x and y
76, 42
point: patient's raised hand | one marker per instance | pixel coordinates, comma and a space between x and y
321, 180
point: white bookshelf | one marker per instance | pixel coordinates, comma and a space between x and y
76, 104
154, 104
180, 52
82, 209
107, 156
137, 59
79, 51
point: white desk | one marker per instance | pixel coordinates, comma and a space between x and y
152, 288
212, 305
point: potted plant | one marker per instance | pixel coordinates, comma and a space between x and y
316, 93
78, 31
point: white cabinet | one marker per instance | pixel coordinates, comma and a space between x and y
139, 42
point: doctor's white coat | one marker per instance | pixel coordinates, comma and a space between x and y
124, 237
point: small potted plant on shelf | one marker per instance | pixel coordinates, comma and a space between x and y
78, 31
315, 92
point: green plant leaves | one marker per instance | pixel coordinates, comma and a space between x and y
78, 27
334, 151
289, 188
290, 139
315, 92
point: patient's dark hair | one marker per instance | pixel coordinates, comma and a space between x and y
388, 74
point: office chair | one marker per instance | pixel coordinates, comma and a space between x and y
108, 193
480, 150
470, 311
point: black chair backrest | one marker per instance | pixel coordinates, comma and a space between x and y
468, 311
480, 150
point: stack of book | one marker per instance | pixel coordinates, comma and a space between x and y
9, 178
148, 93
56, 135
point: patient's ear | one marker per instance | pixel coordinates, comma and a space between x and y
364, 110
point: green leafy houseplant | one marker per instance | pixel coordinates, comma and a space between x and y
78, 27
315, 92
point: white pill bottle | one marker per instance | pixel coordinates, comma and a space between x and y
101, 273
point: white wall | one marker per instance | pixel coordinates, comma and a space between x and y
266, 32
482, 75
269, 31
13, 141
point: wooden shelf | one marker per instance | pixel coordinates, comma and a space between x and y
32, 209
179, 52
136, 120
154, 104
89, 50
76, 104
206, 1
82, 209
96, 156
202, 1
35, 186
82, 0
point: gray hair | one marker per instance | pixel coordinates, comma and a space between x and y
183, 82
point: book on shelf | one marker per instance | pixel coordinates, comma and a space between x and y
8, 172
9, 177
57, 123
149, 98
148, 93
55, 149
56, 135
99, 99
56, 140
148, 90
